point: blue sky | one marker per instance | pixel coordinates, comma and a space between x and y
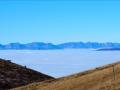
59, 21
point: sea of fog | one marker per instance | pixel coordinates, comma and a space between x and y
59, 63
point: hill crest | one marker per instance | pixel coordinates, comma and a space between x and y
13, 75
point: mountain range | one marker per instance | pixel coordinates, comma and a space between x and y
50, 46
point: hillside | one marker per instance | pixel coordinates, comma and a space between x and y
101, 78
13, 75
109, 49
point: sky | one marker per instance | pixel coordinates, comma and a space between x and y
54, 21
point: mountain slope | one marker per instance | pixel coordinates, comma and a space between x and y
109, 49
13, 75
102, 78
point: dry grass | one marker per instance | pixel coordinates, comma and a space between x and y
101, 78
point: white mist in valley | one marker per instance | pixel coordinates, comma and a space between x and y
59, 63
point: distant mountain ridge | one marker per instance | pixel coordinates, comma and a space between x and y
50, 46
109, 49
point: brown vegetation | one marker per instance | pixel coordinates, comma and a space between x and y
13, 75
102, 78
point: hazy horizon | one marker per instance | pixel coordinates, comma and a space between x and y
59, 21
59, 43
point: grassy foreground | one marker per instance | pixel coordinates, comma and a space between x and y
102, 78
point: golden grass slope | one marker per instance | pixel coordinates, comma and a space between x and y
102, 78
